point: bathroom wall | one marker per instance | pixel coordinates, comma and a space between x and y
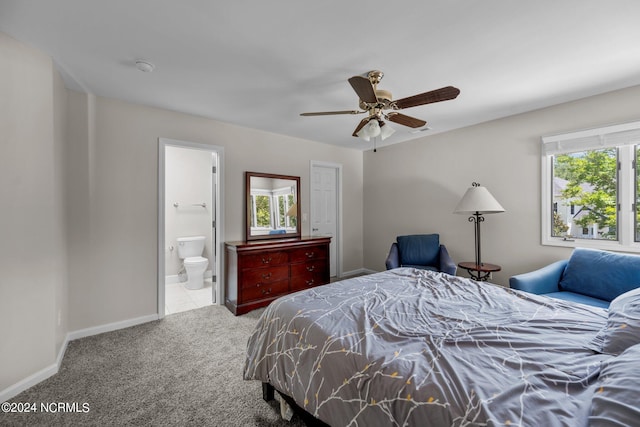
188, 181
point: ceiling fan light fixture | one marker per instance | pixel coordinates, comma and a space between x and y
385, 130
370, 130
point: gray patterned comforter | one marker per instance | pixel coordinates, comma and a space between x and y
409, 347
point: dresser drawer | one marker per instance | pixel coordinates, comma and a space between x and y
299, 283
309, 274
264, 259
266, 275
308, 268
307, 254
261, 290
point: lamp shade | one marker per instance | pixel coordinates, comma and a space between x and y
293, 210
478, 199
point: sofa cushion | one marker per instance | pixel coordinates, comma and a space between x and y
419, 249
600, 274
582, 299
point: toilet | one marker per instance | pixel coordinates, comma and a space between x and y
190, 250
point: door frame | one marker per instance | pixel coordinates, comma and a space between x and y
218, 237
338, 236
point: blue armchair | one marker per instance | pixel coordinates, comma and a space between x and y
422, 251
589, 276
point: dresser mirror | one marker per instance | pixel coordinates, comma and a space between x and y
272, 208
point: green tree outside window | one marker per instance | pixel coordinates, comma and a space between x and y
591, 184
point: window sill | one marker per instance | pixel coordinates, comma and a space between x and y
606, 245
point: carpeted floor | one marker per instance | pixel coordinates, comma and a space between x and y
183, 370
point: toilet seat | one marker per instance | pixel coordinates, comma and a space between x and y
195, 260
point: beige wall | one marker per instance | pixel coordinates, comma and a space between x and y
119, 163
414, 187
32, 226
78, 181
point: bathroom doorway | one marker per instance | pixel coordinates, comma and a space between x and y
189, 195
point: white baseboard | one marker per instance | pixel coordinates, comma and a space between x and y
358, 272
170, 280
43, 374
30, 381
95, 330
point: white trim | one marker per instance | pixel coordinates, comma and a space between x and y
218, 244
30, 381
174, 278
625, 242
338, 238
586, 133
357, 272
592, 139
43, 374
109, 327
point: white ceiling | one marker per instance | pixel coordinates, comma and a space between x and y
258, 64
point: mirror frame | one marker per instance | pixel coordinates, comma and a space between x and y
247, 179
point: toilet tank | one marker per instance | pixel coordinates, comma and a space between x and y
190, 246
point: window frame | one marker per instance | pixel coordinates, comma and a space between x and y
254, 208
624, 137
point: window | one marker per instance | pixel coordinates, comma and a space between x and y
591, 188
261, 205
586, 195
271, 209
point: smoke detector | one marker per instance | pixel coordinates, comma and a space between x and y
144, 66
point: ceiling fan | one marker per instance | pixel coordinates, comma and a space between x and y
377, 101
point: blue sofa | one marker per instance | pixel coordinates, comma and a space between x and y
422, 251
589, 276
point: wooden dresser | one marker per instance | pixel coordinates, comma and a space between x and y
257, 272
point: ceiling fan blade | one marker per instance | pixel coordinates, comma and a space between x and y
442, 94
360, 126
364, 89
403, 119
331, 113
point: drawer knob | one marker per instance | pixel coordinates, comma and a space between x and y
266, 260
266, 276
311, 267
309, 254
266, 291
310, 282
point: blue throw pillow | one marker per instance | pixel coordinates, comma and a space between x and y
419, 249
600, 274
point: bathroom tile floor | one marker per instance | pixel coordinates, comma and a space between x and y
178, 298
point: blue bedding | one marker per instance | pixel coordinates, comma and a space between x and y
412, 347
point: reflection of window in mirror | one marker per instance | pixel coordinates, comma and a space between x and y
273, 209
272, 206
261, 207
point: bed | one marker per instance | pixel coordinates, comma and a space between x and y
409, 347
